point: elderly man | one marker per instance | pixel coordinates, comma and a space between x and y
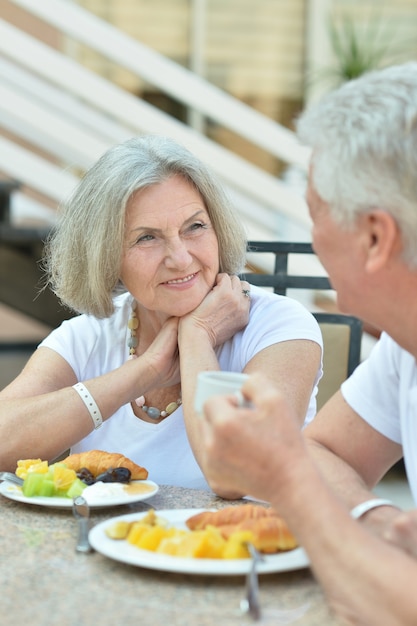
362, 197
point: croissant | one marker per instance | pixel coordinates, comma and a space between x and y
97, 461
269, 534
269, 531
229, 515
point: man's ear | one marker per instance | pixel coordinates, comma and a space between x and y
384, 239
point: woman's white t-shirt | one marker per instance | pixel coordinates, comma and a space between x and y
383, 391
93, 347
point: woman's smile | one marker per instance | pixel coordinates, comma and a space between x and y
181, 281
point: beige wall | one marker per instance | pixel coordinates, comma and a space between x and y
253, 49
264, 52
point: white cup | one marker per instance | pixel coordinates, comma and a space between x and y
216, 383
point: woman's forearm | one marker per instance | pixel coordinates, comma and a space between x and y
50, 420
196, 355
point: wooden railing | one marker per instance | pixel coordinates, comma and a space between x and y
50, 74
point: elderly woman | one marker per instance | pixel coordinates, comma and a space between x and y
148, 250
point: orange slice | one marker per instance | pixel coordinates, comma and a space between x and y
63, 477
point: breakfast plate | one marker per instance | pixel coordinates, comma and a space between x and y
120, 550
100, 495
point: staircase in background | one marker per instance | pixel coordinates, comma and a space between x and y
65, 116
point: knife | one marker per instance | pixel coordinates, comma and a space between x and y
81, 512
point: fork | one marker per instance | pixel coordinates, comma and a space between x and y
81, 512
12, 478
250, 603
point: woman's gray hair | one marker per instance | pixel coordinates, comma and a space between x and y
84, 252
364, 142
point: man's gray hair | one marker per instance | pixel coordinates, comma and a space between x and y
364, 142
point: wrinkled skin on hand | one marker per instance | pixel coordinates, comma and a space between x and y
224, 311
162, 355
402, 531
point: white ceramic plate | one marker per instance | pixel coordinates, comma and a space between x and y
14, 492
120, 550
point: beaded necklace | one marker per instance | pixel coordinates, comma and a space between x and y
152, 411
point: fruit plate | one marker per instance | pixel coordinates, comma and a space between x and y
115, 495
121, 550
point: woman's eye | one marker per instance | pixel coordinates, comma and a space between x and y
198, 226
144, 238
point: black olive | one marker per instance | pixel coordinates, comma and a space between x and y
122, 474
105, 477
115, 475
86, 476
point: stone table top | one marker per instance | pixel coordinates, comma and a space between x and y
45, 582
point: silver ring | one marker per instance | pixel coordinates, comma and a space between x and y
246, 293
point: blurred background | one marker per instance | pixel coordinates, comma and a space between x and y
225, 77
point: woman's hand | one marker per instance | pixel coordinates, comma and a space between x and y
162, 356
224, 311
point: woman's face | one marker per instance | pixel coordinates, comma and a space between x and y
171, 254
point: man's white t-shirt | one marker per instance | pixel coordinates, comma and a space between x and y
383, 391
94, 346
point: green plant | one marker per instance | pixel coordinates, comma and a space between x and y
357, 47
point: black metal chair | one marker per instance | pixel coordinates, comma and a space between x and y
342, 334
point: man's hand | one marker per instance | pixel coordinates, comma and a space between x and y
251, 450
402, 531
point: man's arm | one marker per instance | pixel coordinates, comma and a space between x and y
352, 456
367, 581
261, 451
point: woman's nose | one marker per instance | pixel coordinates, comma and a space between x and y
177, 254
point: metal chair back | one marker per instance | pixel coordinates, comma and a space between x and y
342, 334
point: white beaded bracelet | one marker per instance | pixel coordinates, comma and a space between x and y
364, 507
90, 403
